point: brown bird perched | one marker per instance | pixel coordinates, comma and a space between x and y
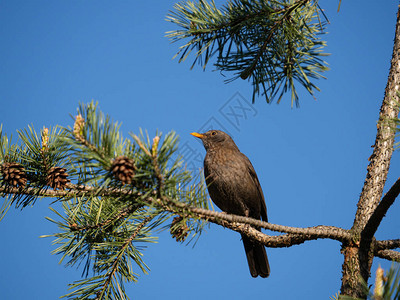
234, 187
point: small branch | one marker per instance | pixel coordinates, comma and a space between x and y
281, 241
247, 72
71, 191
181, 208
388, 244
321, 231
388, 254
376, 218
83, 141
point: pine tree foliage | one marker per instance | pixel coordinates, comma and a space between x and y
273, 44
35, 159
104, 224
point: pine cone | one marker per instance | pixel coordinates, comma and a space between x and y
14, 174
123, 169
57, 178
179, 231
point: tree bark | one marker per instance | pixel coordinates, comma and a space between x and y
358, 254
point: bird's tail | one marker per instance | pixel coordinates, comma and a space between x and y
256, 258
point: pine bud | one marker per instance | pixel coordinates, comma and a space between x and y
156, 140
45, 138
78, 127
378, 291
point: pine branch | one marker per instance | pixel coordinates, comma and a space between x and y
103, 210
286, 13
294, 235
387, 244
234, 222
216, 217
379, 164
381, 210
109, 235
388, 254
114, 268
286, 240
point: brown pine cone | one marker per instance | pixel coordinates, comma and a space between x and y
57, 178
14, 174
179, 231
123, 169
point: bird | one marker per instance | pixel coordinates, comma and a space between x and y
234, 187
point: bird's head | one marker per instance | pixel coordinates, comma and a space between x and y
214, 139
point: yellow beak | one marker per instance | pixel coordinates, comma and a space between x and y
198, 135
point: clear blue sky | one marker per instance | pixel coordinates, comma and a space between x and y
311, 161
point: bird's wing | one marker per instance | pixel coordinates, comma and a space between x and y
253, 175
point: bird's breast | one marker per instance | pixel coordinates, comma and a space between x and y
223, 165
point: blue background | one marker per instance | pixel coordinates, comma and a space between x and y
311, 161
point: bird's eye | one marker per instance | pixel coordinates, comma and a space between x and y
213, 133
